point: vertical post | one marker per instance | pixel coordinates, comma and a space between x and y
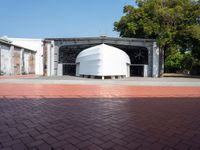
52, 62
155, 60
12, 60
150, 63
22, 61
56, 54
162, 67
60, 70
50, 59
145, 70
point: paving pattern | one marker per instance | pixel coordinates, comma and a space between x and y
79, 91
77, 117
100, 124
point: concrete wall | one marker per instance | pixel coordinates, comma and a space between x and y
5, 59
47, 52
35, 45
153, 69
16, 60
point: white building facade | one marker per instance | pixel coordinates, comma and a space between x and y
16, 60
62, 53
35, 45
61, 56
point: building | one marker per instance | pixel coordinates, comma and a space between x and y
16, 60
35, 45
60, 54
57, 56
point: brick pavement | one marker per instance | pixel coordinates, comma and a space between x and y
42, 117
77, 91
100, 124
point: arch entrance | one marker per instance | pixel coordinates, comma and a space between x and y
146, 57
138, 57
67, 57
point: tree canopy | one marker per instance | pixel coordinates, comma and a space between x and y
175, 24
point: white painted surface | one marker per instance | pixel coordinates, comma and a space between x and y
155, 60
26, 62
52, 51
50, 59
60, 69
77, 69
145, 70
35, 45
5, 60
103, 60
22, 61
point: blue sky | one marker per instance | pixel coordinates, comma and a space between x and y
60, 18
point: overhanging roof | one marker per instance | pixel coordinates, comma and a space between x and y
7, 42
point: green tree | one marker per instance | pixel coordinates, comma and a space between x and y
174, 62
175, 24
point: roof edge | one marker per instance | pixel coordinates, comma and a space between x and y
100, 38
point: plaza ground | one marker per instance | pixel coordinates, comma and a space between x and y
86, 114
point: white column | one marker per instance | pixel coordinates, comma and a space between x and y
22, 61
60, 70
150, 61
77, 69
145, 70
55, 54
48, 48
50, 59
39, 59
155, 60
12, 60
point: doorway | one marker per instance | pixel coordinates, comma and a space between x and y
137, 71
69, 69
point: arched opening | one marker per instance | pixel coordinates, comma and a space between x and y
67, 57
139, 59
138, 56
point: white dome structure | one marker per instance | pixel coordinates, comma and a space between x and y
103, 60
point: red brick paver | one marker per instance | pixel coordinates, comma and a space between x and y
77, 91
74, 117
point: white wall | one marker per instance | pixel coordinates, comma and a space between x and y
156, 56
5, 60
103, 60
26, 62
50, 58
35, 45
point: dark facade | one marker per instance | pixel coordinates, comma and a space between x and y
62, 53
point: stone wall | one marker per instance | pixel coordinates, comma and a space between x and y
15, 60
149, 44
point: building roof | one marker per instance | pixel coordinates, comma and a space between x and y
101, 38
8, 42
